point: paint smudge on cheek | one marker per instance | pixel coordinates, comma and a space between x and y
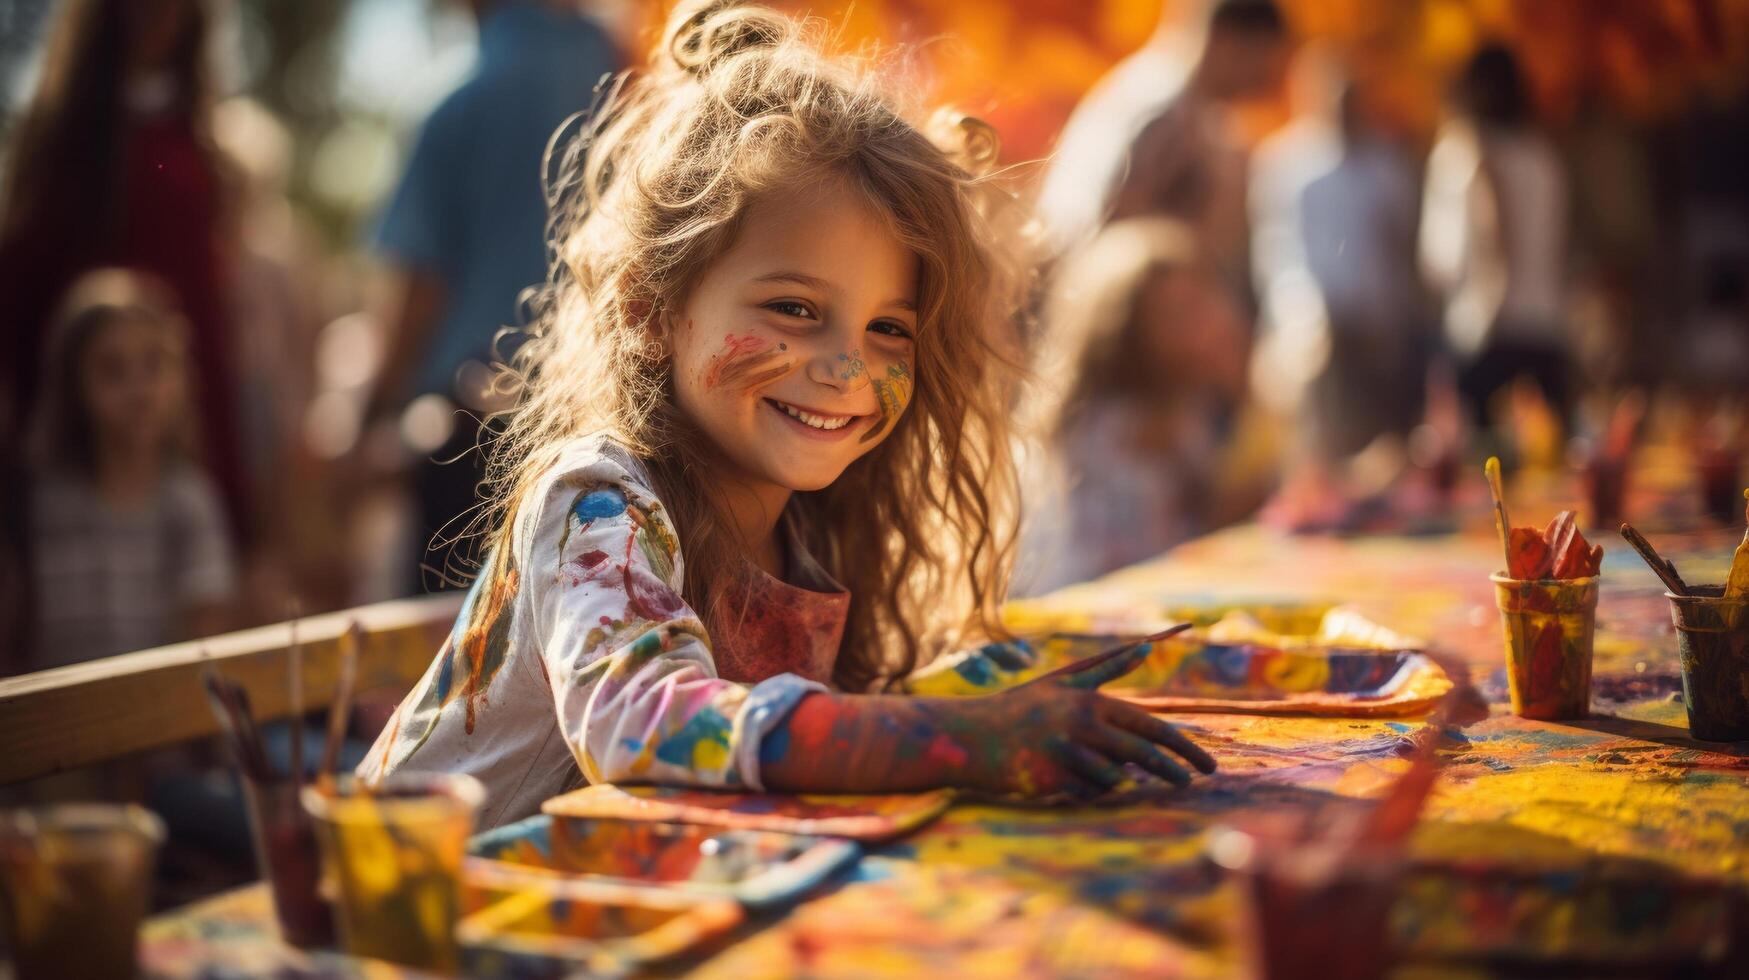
894, 393
747, 361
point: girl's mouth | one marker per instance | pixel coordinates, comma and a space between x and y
814, 422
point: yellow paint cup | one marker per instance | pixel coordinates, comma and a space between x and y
74, 884
391, 862
1549, 627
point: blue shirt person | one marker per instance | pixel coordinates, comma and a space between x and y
465, 231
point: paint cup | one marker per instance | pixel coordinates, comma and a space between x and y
391, 862
1712, 638
75, 880
286, 855
1549, 626
1309, 907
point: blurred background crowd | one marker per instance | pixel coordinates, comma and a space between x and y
1298, 260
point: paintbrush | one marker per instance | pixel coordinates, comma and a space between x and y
350, 641
1501, 524
295, 693
231, 707
1661, 566
1088, 663
1737, 585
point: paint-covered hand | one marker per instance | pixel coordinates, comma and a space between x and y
1057, 733
1053, 734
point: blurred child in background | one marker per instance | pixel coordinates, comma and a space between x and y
128, 546
1145, 367
112, 164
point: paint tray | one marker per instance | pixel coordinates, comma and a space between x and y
859, 817
562, 927
754, 867
1270, 659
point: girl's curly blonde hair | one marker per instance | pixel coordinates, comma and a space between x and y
739, 102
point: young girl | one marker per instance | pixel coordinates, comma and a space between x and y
758, 466
128, 545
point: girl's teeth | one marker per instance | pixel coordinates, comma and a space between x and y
815, 421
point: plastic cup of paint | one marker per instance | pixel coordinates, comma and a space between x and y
391, 862
1712, 638
1549, 625
75, 881
1309, 908
286, 855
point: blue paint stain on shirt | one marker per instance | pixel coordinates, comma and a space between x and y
707, 726
599, 503
775, 746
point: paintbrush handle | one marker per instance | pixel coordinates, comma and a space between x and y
1502, 524
342, 706
1659, 565
1088, 663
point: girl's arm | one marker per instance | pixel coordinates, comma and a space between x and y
1053, 734
627, 661
638, 699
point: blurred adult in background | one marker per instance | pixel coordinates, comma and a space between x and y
1494, 239
126, 543
465, 232
1359, 224
1152, 139
1349, 342
1143, 340
113, 165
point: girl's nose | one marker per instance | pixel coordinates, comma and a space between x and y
843, 370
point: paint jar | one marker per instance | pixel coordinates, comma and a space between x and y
1309, 907
391, 863
1549, 626
1712, 638
286, 855
75, 880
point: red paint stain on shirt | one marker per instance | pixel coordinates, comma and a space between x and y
764, 627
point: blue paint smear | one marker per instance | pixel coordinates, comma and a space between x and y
599, 503
708, 725
977, 670
775, 746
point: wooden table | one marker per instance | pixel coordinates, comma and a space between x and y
1564, 837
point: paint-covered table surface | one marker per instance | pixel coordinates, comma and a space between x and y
1610, 840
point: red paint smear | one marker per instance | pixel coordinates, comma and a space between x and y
944, 751
737, 355
1546, 661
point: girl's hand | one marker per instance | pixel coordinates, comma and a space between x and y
1053, 734
1057, 733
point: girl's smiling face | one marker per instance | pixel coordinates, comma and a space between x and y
794, 351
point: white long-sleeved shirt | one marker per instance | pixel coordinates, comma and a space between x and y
585, 664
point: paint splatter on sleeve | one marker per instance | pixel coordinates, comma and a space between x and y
628, 662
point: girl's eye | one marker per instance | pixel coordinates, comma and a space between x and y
892, 328
789, 307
